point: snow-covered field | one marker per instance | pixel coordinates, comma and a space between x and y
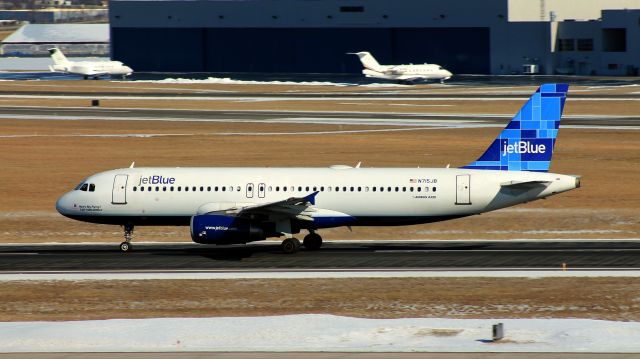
320, 333
227, 80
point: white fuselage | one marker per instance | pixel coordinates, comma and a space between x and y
408, 72
93, 68
370, 196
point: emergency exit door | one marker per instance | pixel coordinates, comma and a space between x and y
463, 189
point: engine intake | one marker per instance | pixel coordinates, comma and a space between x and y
220, 229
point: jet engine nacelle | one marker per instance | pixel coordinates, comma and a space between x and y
220, 229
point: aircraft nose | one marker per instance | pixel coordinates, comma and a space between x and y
65, 204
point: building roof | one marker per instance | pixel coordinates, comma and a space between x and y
59, 34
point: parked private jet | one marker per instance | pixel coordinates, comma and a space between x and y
240, 205
87, 69
401, 73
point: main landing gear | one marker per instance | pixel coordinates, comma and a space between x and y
128, 236
311, 242
290, 245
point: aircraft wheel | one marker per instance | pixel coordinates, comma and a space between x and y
312, 241
126, 247
290, 245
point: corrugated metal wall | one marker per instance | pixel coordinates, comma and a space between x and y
301, 50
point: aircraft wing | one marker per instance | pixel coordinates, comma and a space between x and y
393, 71
95, 73
296, 207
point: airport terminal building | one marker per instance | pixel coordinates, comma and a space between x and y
587, 37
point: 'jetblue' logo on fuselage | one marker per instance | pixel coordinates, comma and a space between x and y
156, 180
523, 147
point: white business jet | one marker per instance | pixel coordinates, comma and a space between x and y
87, 69
240, 205
401, 73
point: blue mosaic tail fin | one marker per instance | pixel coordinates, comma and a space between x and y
526, 144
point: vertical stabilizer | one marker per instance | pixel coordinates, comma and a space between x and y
368, 61
526, 144
58, 57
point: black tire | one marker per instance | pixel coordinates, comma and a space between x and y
312, 241
126, 247
290, 245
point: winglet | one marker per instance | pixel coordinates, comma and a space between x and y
132, 164
311, 198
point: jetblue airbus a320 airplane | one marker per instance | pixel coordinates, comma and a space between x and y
240, 205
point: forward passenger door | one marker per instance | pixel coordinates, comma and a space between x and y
119, 192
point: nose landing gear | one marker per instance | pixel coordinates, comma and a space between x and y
128, 236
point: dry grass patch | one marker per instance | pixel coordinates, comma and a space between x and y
594, 298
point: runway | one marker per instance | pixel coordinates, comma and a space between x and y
342, 255
300, 117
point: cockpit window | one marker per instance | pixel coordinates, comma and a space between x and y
92, 187
84, 187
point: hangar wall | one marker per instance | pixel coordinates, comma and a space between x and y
307, 50
464, 36
300, 36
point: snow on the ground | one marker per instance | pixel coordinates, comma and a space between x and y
227, 80
317, 273
319, 333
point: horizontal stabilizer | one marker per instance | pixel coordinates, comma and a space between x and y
524, 184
